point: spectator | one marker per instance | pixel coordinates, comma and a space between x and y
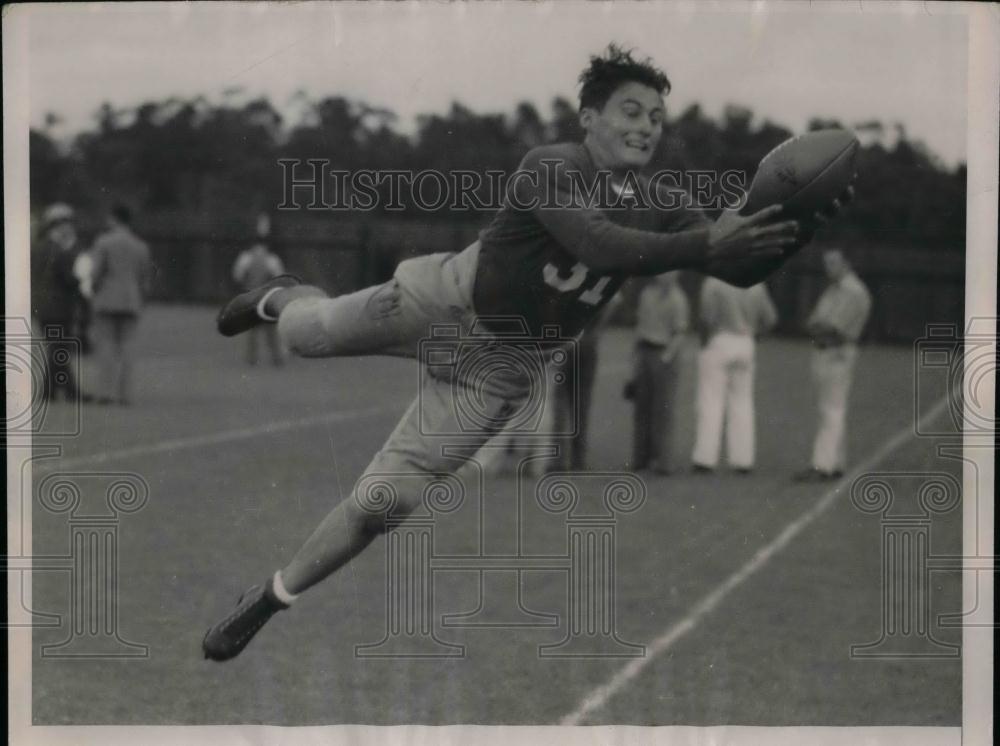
661, 323
122, 277
730, 319
55, 292
253, 268
83, 270
835, 325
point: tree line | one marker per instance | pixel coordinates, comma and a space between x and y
200, 157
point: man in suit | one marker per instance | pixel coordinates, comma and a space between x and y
55, 293
122, 275
662, 320
253, 268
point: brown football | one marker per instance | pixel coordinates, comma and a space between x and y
805, 173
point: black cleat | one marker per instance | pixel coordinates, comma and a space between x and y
240, 314
227, 639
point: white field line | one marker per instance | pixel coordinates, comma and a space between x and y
224, 436
598, 697
206, 439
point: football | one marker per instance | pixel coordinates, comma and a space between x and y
805, 173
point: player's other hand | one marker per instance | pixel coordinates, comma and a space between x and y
846, 197
808, 228
735, 237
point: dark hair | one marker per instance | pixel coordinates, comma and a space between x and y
122, 213
606, 73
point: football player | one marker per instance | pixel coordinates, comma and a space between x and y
550, 258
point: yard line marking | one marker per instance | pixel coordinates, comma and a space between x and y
600, 696
208, 439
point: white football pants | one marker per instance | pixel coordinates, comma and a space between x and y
833, 371
725, 397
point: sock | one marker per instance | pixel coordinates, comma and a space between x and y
261, 303
280, 592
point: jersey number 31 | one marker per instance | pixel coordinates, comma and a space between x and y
577, 276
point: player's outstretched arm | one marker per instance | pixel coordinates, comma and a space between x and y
735, 237
748, 271
605, 247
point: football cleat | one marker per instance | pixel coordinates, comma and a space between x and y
243, 311
227, 639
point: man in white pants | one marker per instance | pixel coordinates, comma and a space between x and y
731, 317
835, 325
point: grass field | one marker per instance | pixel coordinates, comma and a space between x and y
241, 463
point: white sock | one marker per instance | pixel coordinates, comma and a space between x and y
260, 305
280, 592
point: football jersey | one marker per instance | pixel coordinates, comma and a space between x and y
556, 210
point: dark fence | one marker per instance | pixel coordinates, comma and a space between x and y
343, 252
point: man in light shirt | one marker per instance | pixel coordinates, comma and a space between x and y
662, 320
730, 319
122, 277
835, 325
253, 268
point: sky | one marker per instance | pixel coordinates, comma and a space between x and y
791, 61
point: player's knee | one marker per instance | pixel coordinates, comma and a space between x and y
302, 329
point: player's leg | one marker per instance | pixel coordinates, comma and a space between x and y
668, 457
710, 405
661, 414
586, 373
740, 435
562, 414
835, 379
59, 351
642, 387
119, 365
104, 339
409, 461
376, 320
390, 318
845, 379
312, 324
128, 335
822, 454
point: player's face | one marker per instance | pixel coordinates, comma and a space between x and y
625, 132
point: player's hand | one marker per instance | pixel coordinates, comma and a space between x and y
734, 237
821, 217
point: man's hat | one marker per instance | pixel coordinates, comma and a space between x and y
55, 214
